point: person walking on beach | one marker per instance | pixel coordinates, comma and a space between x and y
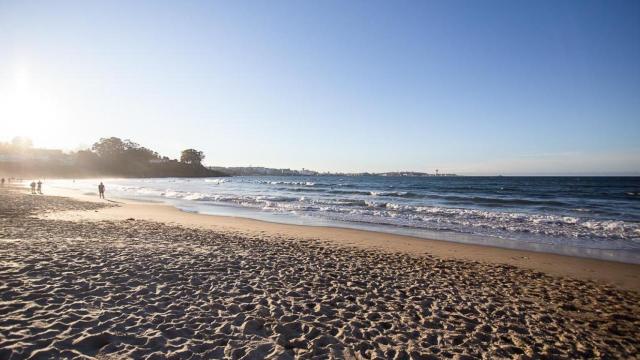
2, 181
33, 187
39, 187
101, 190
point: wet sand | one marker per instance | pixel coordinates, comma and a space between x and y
81, 280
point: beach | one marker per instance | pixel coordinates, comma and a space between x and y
122, 279
595, 217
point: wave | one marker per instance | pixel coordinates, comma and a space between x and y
511, 210
403, 194
301, 189
298, 183
349, 192
495, 201
276, 198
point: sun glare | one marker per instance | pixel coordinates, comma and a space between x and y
29, 108
22, 79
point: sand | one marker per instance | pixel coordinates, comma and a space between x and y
77, 280
625, 276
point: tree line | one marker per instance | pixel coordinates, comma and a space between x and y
107, 157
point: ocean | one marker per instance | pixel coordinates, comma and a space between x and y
596, 217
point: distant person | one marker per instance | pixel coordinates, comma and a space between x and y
33, 187
39, 187
101, 190
2, 181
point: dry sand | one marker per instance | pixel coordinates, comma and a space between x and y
114, 288
626, 276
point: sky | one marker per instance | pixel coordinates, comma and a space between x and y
470, 87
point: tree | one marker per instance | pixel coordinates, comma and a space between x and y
140, 153
109, 147
192, 156
86, 160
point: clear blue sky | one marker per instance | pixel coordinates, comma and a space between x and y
474, 87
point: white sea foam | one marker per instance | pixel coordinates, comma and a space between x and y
304, 183
544, 218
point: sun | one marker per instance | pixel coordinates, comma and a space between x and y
28, 107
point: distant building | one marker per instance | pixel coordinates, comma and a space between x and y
262, 171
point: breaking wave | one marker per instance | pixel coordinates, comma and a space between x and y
585, 212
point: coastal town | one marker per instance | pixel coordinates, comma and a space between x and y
265, 171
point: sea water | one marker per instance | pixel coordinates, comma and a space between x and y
582, 216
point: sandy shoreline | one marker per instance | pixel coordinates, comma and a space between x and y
623, 275
121, 288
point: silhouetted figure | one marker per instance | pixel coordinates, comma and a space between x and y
33, 187
39, 187
2, 181
101, 190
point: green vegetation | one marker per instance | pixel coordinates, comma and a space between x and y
107, 157
192, 156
